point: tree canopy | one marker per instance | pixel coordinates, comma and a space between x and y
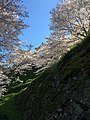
12, 14
71, 18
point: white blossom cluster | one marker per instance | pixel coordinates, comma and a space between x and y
4, 82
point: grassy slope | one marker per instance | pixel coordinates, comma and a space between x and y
72, 63
8, 104
8, 107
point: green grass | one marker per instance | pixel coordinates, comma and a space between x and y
8, 107
8, 104
19, 87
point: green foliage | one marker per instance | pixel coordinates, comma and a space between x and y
28, 74
24, 80
24, 76
19, 87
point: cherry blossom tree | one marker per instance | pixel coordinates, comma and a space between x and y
12, 14
70, 22
71, 18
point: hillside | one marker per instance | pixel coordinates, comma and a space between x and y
61, 92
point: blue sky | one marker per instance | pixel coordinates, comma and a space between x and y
39, 20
